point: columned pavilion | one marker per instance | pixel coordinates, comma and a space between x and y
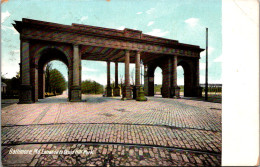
42, 42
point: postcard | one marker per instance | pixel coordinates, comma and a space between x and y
113, 83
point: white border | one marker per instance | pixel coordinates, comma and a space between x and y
240, 118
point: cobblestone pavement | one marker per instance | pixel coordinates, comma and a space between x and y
157, 132
156, 111
114, 133
108, 155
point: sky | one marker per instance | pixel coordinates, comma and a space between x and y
184, 20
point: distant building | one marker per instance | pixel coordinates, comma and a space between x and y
3, 87
211, 85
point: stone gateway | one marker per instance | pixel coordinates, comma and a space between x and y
42, 42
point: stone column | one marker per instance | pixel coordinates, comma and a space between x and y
198, 88
35, 82
140, 95
137, 73
128, 90
175, 88
76, 65
25, 88
108, 89
174, 71
69, 81
197, 72
75, 88
146, 79
41, 84
150, 85
116, 89
166, 85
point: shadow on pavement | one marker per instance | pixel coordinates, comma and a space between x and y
100, 99
211, 98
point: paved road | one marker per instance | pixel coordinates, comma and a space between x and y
157, 132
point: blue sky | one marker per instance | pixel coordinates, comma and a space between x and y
183, 20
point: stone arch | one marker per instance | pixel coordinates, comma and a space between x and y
163, 64
189, 77
158, 69
41, 59
150, 78
40, 52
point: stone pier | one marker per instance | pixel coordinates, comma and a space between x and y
116, 91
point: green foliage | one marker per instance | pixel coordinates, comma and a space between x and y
182, 88
12, 89
57, 81
157, 89
91, 87
47, 77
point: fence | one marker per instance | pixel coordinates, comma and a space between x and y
212, 88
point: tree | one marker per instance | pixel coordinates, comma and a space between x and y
57, 81
17, 75
13, 84
91, 87
47, 77
122, 82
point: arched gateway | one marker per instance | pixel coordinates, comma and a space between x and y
42, 42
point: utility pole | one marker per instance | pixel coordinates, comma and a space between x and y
206, 84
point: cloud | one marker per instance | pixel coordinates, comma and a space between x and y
192, 22
210, 80
158, 32
83, 18
210, 51
85, 69
139, 12
121, 28
102, 79
9, 68
10, 28
13, 54
180, 82
158, 76
103, 63
150, 23
202, 66
150, 11
5, 15
219, 59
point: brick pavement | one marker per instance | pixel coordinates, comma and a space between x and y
191, 129
115, 133
111, 155
156, 111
